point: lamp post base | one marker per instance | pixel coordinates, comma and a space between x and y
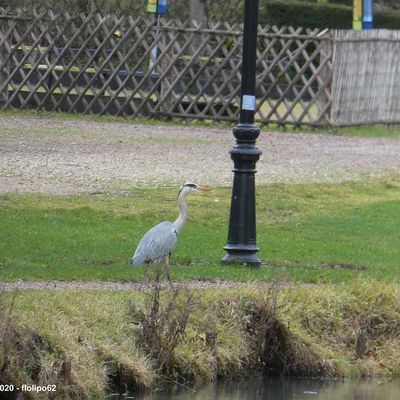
249, 259
241, 254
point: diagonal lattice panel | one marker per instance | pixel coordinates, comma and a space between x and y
208, 71
289, 83
120, 65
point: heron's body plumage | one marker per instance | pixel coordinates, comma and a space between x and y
156, 244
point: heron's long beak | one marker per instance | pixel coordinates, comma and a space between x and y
204, 188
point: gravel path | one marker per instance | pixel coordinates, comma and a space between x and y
47, 155
112, 286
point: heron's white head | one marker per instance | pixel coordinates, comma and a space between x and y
192, 187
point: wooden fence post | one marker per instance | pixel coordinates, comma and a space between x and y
324, 97
166, 74
4, 62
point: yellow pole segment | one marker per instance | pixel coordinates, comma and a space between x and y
357, 14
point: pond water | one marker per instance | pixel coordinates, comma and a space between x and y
283, 389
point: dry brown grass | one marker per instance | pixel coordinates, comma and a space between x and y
329, 316
87, 342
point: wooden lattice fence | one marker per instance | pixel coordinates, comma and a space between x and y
105, 64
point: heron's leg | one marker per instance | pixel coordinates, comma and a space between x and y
152, 274
166, 270
145, 274
157, 274
146, 277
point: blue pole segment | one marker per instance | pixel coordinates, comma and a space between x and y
162, 6
368, 14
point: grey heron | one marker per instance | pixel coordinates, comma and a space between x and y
157, 244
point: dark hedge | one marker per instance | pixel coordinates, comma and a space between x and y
314, 15
272, 12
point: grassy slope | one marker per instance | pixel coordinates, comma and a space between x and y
311, 331
321, 232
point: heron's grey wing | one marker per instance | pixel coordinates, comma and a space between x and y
156, 243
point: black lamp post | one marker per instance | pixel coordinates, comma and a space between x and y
241, 246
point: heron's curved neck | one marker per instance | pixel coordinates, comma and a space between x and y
183, 212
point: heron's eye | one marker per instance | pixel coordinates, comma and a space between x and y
191, 185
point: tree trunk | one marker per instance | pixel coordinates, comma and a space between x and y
197, 11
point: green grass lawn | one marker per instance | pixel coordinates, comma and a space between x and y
312, 233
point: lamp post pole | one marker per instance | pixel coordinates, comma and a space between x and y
241, 246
